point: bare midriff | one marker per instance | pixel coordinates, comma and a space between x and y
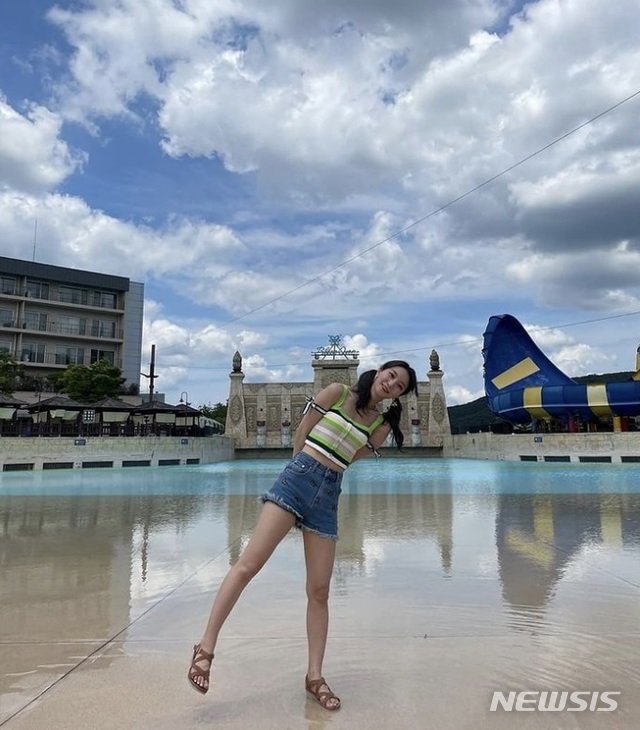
321, 458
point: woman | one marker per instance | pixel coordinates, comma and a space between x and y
337, 428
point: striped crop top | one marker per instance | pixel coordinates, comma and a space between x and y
336, 435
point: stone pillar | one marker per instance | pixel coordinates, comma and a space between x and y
236, 425
439, 425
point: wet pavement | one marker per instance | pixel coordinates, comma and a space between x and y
453, 580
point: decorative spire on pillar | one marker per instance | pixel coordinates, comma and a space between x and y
439, 425
434, 360
236, 424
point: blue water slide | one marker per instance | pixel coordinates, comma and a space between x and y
521, 383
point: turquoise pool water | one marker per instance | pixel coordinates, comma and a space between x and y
514, 573
393, 476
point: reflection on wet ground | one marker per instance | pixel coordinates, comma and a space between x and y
454, 579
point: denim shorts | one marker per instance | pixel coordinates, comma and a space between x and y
310, 491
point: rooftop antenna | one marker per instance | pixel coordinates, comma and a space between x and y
35, 238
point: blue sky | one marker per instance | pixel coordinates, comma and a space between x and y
227, 153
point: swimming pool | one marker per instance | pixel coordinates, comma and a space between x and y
507, 554
393, 476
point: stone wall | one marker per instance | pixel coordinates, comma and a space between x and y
575, 447
78, 453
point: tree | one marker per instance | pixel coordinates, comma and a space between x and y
90, 383
218, 411
10, 371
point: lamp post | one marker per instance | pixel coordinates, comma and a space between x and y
185, 401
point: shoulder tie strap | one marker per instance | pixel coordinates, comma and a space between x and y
372, 448
312, 404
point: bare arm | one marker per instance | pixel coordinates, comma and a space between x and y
377, 438
325, 398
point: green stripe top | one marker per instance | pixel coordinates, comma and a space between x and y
339, 437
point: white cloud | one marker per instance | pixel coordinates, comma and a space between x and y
369, 352
573, 358
548, 338
458, 395
257, 370
351, 92
581, 359
33, 156
192, 356
72, 234
337, 126
250, 340
329, 104
606, 279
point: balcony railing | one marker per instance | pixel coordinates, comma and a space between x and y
52, 359
95, 302
89, 331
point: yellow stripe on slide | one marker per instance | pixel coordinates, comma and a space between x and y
517, 372
532, 402
597, 399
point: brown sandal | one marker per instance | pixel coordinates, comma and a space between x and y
313, 688
195, 671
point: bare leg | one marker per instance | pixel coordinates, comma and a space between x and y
319, 554
273, 524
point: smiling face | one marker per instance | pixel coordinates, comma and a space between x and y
391, 383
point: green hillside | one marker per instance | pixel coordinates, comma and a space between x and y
475, 416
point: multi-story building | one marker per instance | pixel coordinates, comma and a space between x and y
51, 317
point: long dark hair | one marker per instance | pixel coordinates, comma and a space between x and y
393, 414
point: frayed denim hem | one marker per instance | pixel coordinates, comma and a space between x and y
299, 524
283, 505
317, 532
